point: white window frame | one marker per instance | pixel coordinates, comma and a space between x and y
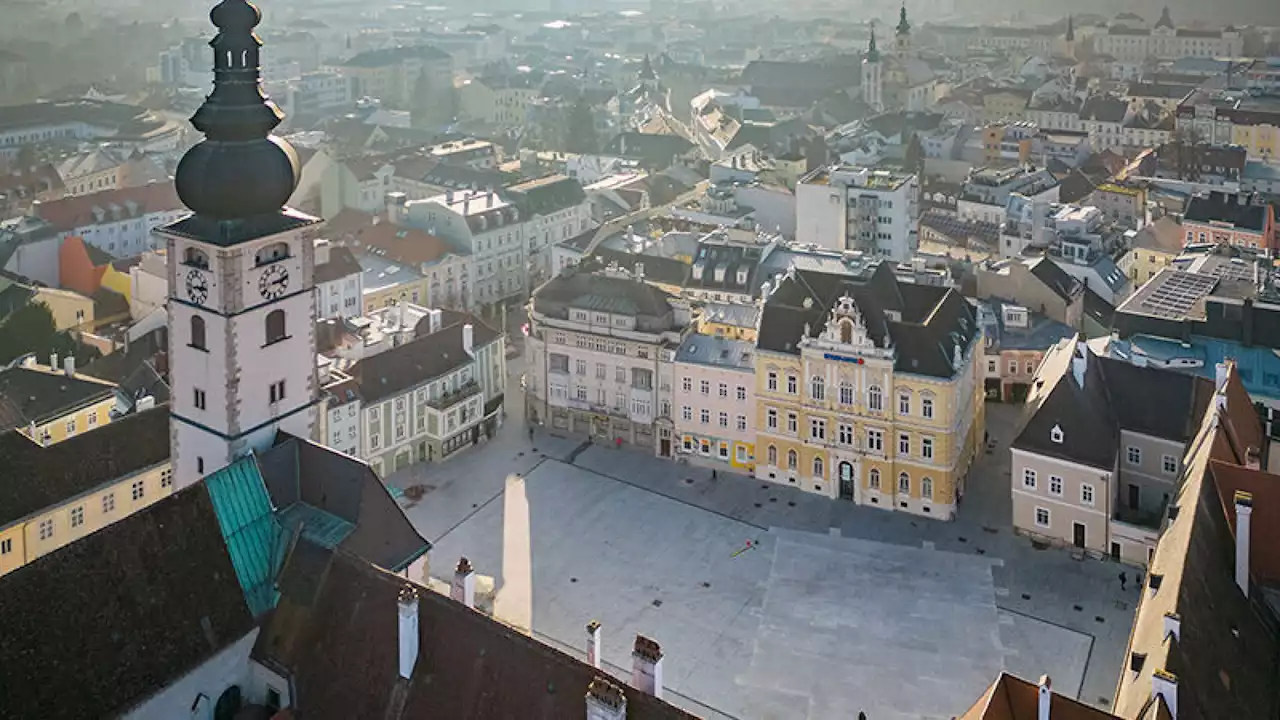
1133, 455
1167, 461
1048, 517
1030, 479
1056, 479
1086, 494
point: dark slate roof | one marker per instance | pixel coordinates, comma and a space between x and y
35, 477
730, 258
98, 626
656, 149
342, 263
1075, 187
547, 195
29, 395
934, 320
1227, 207
579, 287
664, 270
1096, 307
428, 356
1104, 108
1055, 278
335, 631
392, 56
1116, 396
300, 471
226, 233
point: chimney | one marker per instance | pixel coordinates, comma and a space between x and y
377, 219
1045, 697
1220, 375
605, 700
1253, 458
464, 584
646, 666
434, 324
408, 605
468, 337
1079, 363
1244, 509
1172, 626
395, 205
322, 251
69, 365
639, 271
53, 361
593, 644
1164, 684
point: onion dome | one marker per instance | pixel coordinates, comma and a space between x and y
904, 27
239, 169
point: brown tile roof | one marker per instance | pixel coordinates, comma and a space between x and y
341, 264
1012, 698
68, 213
405, 245
100, 625
35, 477
335, 631
347, 222
1264, 531
1224, 657
1164, 235
28, 182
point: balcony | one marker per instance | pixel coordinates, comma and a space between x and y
449, 399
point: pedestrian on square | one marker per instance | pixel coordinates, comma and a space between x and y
1124, 580
713, 474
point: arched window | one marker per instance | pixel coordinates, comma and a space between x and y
873, 479
195, 258
272, 253
773, 455
275, 326
904, 484
926, 488
904, 403
793, 460
875, 400
817, 467
197, 333
926, 407
846, 332
817, 388
791, 384
846, 393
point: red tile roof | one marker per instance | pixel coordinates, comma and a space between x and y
67, 214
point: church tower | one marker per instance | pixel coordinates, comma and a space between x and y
902, 34
873, 76
241, 292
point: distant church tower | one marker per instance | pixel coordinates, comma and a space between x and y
1069, 44
873, 76
241, 293
902, 34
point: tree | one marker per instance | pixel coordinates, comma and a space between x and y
30, 329
26, 158
420, 111
581, 129
914, 159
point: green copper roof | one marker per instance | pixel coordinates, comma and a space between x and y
320, 527
255, 540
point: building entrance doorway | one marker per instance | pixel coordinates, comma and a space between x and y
846, 480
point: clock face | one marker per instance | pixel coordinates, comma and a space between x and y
273, 282
197, 287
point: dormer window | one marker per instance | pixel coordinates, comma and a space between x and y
1056, 434
272, 253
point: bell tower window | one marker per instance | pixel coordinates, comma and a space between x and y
275, 326
195, 257
272, 253
197, 333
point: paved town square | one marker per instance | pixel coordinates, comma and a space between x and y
769, 602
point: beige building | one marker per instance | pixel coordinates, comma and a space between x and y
1101, 451
1039, 285
392, 75
53, 497
1155, 247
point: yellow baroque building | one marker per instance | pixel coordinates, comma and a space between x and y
868, 389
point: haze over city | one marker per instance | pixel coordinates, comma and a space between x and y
674, 359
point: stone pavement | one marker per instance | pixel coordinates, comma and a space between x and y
636, 553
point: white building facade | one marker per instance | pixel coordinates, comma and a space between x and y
856, 208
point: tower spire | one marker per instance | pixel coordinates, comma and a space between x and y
239, 170
904, 27
873, 55
1071, 29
